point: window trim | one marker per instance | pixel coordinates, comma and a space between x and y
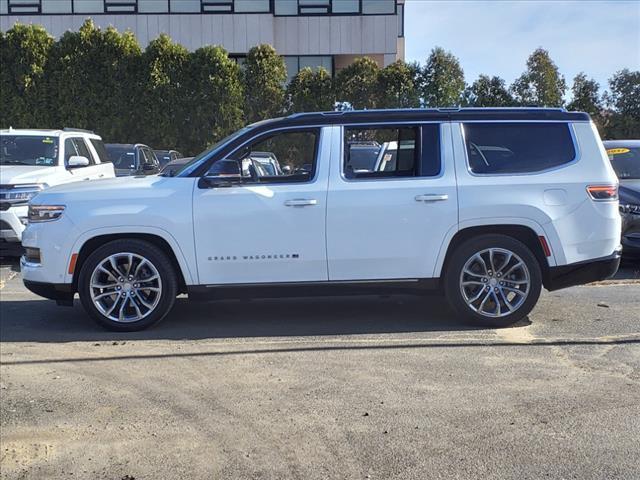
395, 126
576, 148
313, 179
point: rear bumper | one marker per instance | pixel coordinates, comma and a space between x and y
62, 293
583, 272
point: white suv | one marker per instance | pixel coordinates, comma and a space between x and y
32, 160
488, 205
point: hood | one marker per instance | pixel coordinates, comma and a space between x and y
17, 174
110, 190
630, 192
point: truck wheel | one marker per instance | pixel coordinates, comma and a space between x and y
127, 285
493, 280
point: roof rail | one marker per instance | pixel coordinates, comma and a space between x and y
79, 130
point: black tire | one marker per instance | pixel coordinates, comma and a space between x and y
453, 274
158, 259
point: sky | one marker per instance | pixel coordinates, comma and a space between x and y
496, 37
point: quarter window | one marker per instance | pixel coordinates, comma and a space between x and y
495, 148
285, 157
100, 149
371, 152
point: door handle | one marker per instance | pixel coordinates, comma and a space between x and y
301, 202
88, 178
432, 197
101, 175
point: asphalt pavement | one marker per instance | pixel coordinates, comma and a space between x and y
346, 388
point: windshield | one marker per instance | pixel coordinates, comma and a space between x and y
123, 158
208, 151
32, 150
626, 162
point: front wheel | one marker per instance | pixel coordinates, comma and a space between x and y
494, 280
127, 285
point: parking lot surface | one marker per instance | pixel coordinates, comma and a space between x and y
366, 387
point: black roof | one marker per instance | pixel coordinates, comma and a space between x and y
430, 114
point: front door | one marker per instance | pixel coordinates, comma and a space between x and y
259, 214
392, 201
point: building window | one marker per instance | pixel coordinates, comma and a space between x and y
24, 6
400, 9
120, 6
378, 7
153, 6
294, 64
185, 6
252, 6
88, 6
345, 6
217, 6
314, 7
56, 6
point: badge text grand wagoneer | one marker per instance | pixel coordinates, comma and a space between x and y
489, 205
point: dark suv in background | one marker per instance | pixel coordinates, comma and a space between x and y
132, 159
166, 156
625, 158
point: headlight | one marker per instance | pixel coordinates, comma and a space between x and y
45, 213
21, 194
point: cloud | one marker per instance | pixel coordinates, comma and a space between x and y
496, 37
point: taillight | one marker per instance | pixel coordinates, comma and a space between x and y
603, 192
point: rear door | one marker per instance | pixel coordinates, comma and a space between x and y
387, 218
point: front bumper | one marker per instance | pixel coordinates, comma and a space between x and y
11, 226
582, 272
62, 293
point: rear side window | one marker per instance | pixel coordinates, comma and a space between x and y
100, 149
517, 147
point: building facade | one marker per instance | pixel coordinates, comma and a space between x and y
308, 33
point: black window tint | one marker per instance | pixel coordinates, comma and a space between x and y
371, 152
83, 150
517, 147
100, 149
431, 162
284, 157
69, 149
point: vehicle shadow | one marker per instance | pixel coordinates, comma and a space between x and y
43, 321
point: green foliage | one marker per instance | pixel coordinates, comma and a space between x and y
586, 96
215, 95
311, 91
24, 53
488, 92
264, 77
358, 83
92, 80
541, 84
442, 80
397, 86
623, 121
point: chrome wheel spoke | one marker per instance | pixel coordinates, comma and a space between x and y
125, 287
517, 265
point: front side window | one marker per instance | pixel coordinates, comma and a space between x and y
284, 157
82, 149
29, 150
502, 148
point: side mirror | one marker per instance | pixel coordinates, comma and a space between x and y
223, 173
286, 169
76, 161
147, 167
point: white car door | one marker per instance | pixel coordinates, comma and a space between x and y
76, 146
392, 201
251, 227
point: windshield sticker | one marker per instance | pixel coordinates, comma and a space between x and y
44, 161
617, 151
47, 140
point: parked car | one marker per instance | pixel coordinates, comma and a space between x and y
488, 205
32, 160
166, 156
132, 159
172, 167
625, 158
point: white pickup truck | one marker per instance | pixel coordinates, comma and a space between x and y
32, 160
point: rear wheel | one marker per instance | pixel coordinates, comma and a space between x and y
493, 280
127, 285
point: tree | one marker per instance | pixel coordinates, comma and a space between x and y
358, 83
397, 86
264, 76
24, 53
541, 84
93, 81
214, 101
488, 92
163, 99
311, 91
586, 97
442, 80
623, 121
